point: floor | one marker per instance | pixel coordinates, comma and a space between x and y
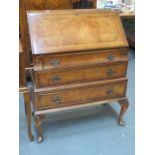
85, 131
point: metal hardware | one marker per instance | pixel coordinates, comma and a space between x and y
56, 78
110, 57
110, 72
109, 92
57, 99
55, 62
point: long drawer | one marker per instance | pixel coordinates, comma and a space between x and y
80, 94
46, 78
51, 61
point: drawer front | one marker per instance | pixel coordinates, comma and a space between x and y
79, 59
79, 75
80, 95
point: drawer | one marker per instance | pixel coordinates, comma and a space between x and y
46, 78
80, 95
50, 61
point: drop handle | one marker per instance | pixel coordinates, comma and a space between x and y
56, 78
110, 57
110, 72
57, 99
55, 62
109, 92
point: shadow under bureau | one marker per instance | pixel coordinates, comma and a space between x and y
80, 58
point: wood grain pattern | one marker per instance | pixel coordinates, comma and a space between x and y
29, 5
80, 58
80, 95
46, 78
58, 4
72, 30
34, 4
65, 60
78, 106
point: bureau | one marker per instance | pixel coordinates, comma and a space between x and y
80, 58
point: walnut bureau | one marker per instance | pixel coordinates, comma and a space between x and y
80, 58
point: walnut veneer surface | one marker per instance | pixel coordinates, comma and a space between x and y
80, 58
29, 5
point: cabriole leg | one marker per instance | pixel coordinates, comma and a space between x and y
124, 106
38, 123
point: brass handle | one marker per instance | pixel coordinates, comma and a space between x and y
57, 99
109, 92
110, 57
56, 78
110, 72
55, 62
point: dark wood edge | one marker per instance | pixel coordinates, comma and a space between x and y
131, 42
32, 98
